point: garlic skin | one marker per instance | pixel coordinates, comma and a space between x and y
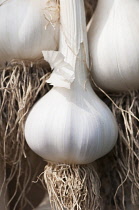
72, 35
114, 45
71, 124
27, 27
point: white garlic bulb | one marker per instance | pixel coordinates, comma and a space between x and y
114, 44
27, 27
71, 125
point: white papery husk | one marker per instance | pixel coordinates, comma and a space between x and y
114, 45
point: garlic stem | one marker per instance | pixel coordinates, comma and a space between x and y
73, 31
72, 46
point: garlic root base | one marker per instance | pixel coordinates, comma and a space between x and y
72, 187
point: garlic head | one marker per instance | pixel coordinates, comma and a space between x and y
71, 125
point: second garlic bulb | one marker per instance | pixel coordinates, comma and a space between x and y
114, 45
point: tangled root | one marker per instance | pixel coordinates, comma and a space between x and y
127, 149
125, 107
21, 83
72, 187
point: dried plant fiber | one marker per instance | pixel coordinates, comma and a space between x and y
21, 82
72, 186
127, 149
125, 107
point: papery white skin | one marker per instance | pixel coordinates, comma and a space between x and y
72, 34
72, 125
63, 74
114, 44
27, 27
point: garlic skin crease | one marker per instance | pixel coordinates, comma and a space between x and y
27, 27
71, 125
114, 45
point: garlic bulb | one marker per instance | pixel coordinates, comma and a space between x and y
71, 124
27, 27
114, 45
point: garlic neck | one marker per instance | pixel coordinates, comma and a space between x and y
73, 38
71, 62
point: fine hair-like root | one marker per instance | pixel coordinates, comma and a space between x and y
127, 149
72, 187
21, 83
125, 107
